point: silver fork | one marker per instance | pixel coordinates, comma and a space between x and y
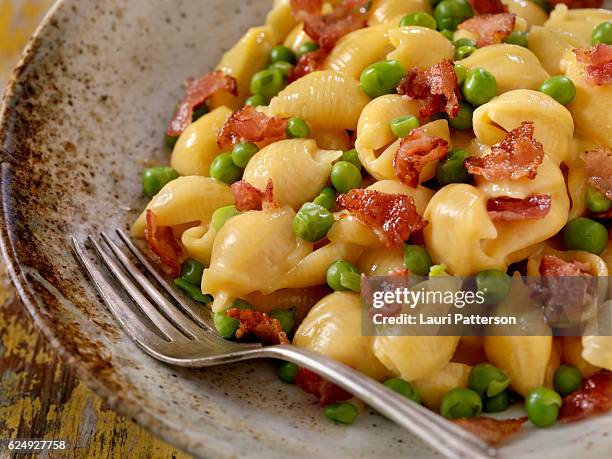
181, 333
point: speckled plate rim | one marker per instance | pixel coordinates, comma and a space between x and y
122, 404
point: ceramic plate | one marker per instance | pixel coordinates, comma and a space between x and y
85, 111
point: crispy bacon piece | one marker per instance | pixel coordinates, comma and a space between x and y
307, 6
249, 197
518, 155
555, 266
414, 153
572, 4
437, 86
594, 397
394, 214
249, 125
162, 243
308, 63
267, 329
506, 209
597, 64
327, 392
488, 6
196, 94
599, 169
327, 29
493, 431
490, 28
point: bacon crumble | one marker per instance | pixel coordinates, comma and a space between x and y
599, 169
268, 330
197, 92
593, 397
488, 6
493, 431
437, 86
414, 153
518, 155
555, 266
394, 214
597, 64
490, 28
308, 63
249, 125
327, 392
249, 197
507, 209
162, 243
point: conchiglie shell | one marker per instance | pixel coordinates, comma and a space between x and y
529, 11
572, 350
357, 50
191, 199
553, 124
523, 358
380, 262
252, 252
302, 299
296, 37
553, 363
332, 139
549, 47
383, 11
433, 388
333, 328
246, 58
597, 265
419, 47
421, 195
513, 66
280, 20
350, 230
198, 241
197, 146
576, 25
297, 168
325, 99
597, 350
414, 357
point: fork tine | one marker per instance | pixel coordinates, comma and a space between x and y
166, 327
187, 326
191, 308
131, 322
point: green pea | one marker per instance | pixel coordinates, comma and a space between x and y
567, 379
542, 406
450, 13
283, 67
518, 38
419, 19
343, 412
223, 169
402, 125
267, 83
381, 78
488, 380
417, 260
602, 34
497, 404
461, 72
597, 202
494, 285
327, 198
308, 47
464, 42
226, 326
243, 152
464, 51
448, 34
256, 100
287, 371
199, 112
312, 222
463, 120
282, 54
352, 157
479, 87
452, 169
404, 388
297, 128
345, 176
585, 234
460, 403
222, 215
155, 178
560, 88
170, 141
337, 271
286, 317
191, 271
192, 291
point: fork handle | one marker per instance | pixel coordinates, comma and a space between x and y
448, 438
